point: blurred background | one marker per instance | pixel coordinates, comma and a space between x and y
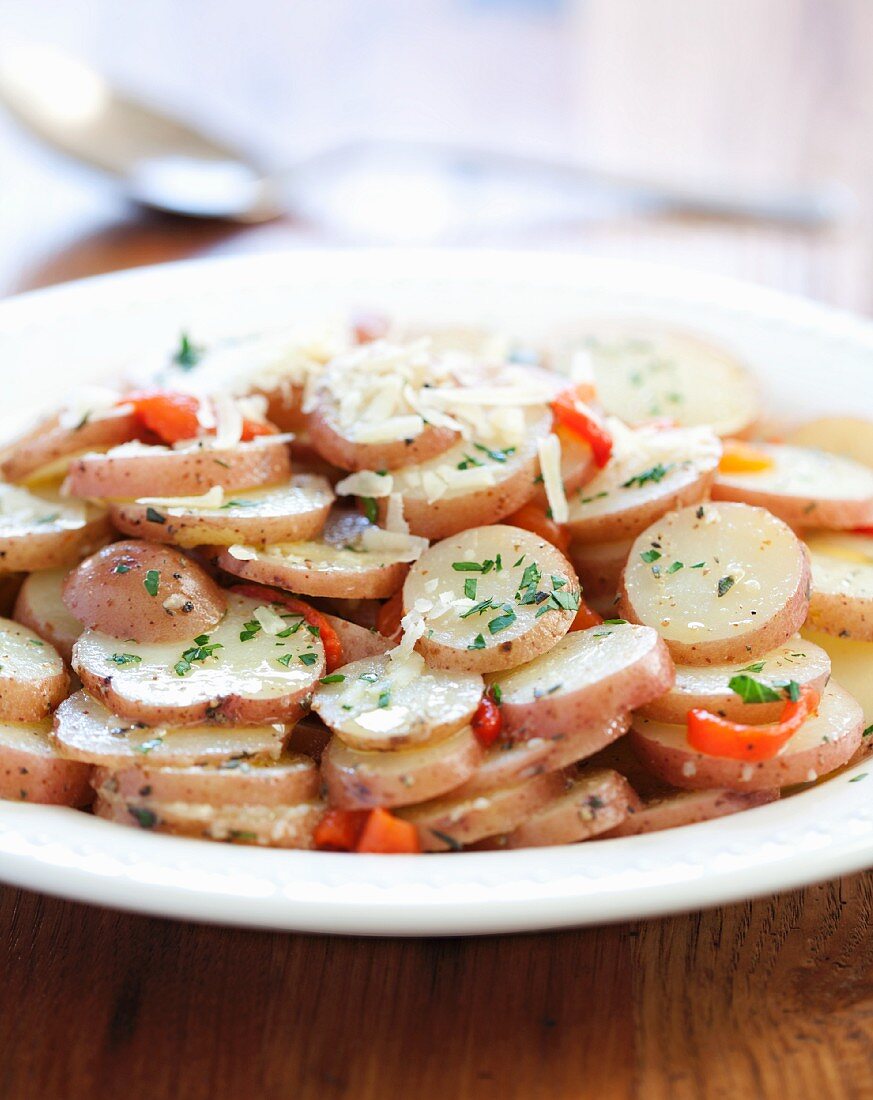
739, 101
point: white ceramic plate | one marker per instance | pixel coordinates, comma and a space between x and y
810, 361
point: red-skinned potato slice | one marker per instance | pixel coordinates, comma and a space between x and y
674, 809
602, 671
456, 821
599, 565
291, 779
32, 771
267, 826
238, 674
52, 443
706, 686
509, 762
597, 800
356, 641
804, 487
41, 607
85, 730
294, 511
720, 582
44, 531
145, 592
450, 493
822, 744
848, 436
643, 369
533, 590
392, 703
33, 679
328, 567
651, 471
841, 602
851, 662
360, 780
344, 450
138, 470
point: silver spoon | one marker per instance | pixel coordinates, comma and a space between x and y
165, 163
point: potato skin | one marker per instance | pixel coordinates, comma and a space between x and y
361, 780
53, 548
178, 473
107, 592
357, 642
40, 607
378, 582
688, 808
33, 679
332, 445
36, 773
50, 441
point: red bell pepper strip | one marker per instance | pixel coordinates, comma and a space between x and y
717, 736
570, 409
533, 518
340, 830
171, 416
388, 835
333, 650
585, 617
487, 722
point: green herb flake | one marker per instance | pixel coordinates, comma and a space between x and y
334, 678
477, 643
121, 568
675, 567
240, 504
469, 567
187, 354
496, 693
470, 586
751, 690
385, 698
858, 778
654, 474
122, 659
151, 582
650, 555
867, 732
249, 630
756, 666
501, 622
287, 658
155, 517
145, 747
792, 691
614, 622
495, 456
371, 509
518, 563
697, 565
307, 658
146, 819
725, 584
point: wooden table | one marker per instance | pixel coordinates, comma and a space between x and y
772, 998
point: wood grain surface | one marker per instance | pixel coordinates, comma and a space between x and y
773, 998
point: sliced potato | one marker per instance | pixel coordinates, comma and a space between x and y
85, 730
291, 779
644, 369
390, 702
599, 566
291, 512
851, 663
356, 641
823, 743
138, 470
268, 826
720, 582
33, 679
359, 780
339, 565
848, 436
145, 592
805, 487
44, 531
31, 770
589, 675
526, 597
41, 607
468, 486
651, 471
52, 443
674, 809
238, 673
706, 686
456, 821
597, 800
509, 762
344, 448
841, 602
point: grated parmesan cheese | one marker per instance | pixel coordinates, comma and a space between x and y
271, 622
243, 553
366, 483
550, 464
213, 498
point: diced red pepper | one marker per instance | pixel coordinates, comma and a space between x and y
340, 830
531, 517
251, 429
388, 835
571, 409
585, 617
333, 650
171, 416
717, 736
487, 722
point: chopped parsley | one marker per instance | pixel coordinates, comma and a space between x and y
477, 643
201, 649
371, 509
473, 566
151, 582
187, 355
725, 584
121, 568
334, 678
240, 504
614, 622
857, 778
655, 473
384, 698
867, 732
122, 659
249, 630
751, 690
501, 622
470, 585
560, 601
495, 456
155, 517
496, 693
756, 666
286, 659
307, 658
146, 819
675, 567
478, 608
697, 565
650, 555
597, 496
